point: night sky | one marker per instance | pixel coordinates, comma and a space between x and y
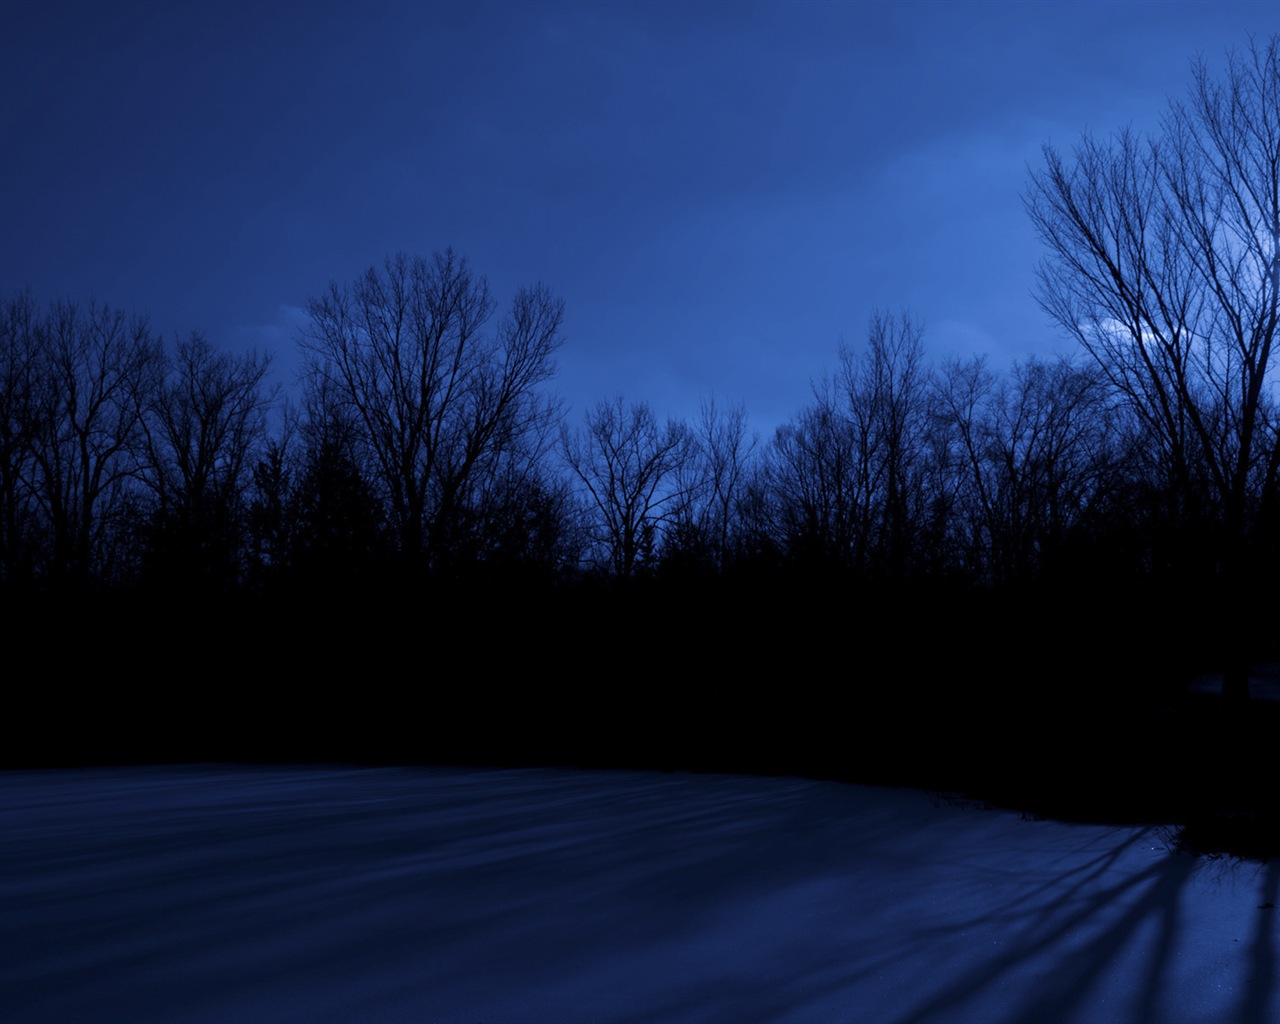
721, 192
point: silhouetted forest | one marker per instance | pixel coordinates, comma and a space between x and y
935, 572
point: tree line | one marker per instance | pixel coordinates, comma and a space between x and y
426, 442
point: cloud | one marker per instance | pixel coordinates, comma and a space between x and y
277, 338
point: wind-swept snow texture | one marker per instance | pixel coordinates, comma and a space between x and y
449, 896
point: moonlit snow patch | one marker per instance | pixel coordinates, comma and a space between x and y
451, 895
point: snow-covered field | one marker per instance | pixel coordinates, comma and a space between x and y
444, 896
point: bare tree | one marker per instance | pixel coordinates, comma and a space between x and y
96, 373
1164, 263
1035, 453
726, 456
18, 382
714, 479
810, 485
206, 425
204, 430
849, 475
885, 393
629, 466
269, 519
437, 400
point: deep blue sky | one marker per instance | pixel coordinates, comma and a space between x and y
721, 192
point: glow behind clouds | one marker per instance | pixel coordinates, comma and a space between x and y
720, 192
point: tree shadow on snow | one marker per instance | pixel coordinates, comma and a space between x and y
1061, 953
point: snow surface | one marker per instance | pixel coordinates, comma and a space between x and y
437, 896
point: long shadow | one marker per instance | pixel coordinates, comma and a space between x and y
607, 897
1078, 968
830, 978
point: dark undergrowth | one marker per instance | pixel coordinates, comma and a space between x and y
1058, 704
1198, 766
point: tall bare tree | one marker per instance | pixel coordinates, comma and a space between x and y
96, 372
885, 392
18, 381
204, 428
207, 424
849, 475
629, 466
1164, 263
1034, 452
810, 478
726, 455
440, 396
